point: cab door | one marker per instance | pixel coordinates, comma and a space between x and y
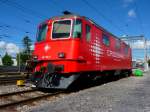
85, 47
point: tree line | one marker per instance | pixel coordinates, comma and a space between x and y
22, 56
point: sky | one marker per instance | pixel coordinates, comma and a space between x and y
20, 18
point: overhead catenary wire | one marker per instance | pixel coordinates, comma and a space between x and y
23, 17
103, 16
4, 35
139, 17
125, 25
55, 3
61, 7
4, 25
22, 8
7, 35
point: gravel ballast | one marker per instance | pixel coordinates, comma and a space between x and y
130, 94
13, 88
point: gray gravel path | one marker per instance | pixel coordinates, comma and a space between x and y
130, 94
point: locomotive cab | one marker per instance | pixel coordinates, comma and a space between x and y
57, 40
57, 50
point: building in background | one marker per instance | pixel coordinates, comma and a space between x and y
1, 61
15, 61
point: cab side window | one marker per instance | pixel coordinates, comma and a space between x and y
126, 49
105, 40
118, 45
88, 33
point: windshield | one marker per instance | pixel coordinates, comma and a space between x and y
61, 29
41, 35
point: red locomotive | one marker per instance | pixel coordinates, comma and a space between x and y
71, 46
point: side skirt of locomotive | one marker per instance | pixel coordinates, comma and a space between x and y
63, 81
54, 79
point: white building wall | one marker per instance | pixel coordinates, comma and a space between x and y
1, 61
15, 62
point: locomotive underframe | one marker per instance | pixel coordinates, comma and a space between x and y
53, 79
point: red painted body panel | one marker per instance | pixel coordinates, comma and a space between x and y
82, 55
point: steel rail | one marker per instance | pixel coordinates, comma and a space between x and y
17, 92
28, 100
13, 73
5, 80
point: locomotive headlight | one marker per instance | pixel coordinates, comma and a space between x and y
61, 55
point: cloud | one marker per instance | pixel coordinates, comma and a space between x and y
126, 3
139, 44
10, 48
131, 13
2, 45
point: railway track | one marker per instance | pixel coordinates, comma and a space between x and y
12, 73
11, 80
21, 97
